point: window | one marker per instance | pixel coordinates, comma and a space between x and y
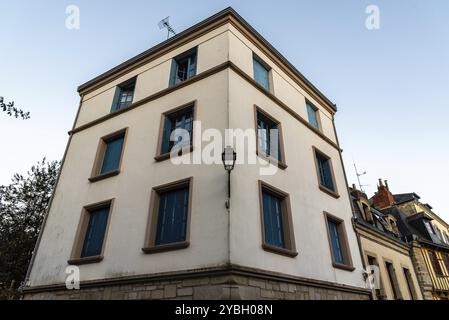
183, 67
393, 281
179, 119
272, 220
277, 227
438, 233
429, 227
312, 113
446, 261
341, 257
169, 217
269, 138
325, 173
446, 237
367, 213
410, 286
261, 73
435, 264
124, 94
393, 225
109, 156
91, 234
379, 291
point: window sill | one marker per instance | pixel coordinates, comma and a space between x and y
166, 156
166, 247
85, 260
262, 87
281, 251
104, 175
329, 192
343, 266
273, 161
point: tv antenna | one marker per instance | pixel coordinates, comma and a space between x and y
358, 174
164, 23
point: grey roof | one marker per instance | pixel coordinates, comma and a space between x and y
219, 15
412, 227
405, 197
404, 226
379, 219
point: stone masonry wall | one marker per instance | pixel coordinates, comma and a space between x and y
233, 287
425, 282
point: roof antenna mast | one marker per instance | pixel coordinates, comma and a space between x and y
358, 177
164, 23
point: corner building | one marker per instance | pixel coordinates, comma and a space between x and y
140, 227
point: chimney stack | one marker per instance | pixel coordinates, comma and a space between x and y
383, 198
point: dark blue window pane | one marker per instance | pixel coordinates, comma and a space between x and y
261, 74
112, 155
268, 137
272, 214
335, 241
93, 241
172, 216
325, 172
312, 114
182, 120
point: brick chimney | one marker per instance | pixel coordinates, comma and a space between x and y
383, 198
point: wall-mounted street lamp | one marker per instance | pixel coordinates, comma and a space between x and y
228, 157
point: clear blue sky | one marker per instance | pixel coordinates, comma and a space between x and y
391, 85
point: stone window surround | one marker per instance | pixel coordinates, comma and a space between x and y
75, 257
269, 71
287, 221
333, 193
343, 237
281, 163
150, 236
317, 114
99, 157
393, 282
194, 105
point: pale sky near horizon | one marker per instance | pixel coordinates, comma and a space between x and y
391, 85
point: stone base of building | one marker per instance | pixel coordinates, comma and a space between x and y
218, 284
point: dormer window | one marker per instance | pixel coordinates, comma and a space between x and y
429, 227
446, 238
367, 213
394, 227
438, 233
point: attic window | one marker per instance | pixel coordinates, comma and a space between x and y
394, 227
367, 213
183, 67
429, 227
124, 94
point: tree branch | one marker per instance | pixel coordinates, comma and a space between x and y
13, 111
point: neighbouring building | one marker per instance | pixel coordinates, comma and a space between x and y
427, 235
384, 248
139, 226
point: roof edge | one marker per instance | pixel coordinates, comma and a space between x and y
229, 11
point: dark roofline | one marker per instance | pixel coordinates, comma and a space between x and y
226, 12
417, 216
415, 197
433, 244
